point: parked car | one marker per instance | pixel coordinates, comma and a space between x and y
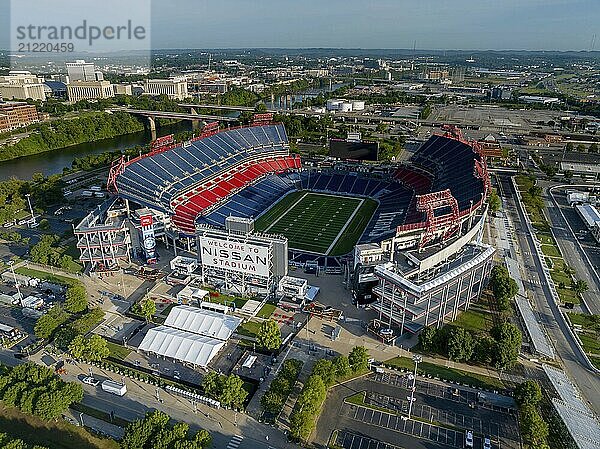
469, 439
487, 443
89, 380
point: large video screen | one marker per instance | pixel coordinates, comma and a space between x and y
357, 150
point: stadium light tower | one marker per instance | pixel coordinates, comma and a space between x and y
12, 270
30, 208
417, 359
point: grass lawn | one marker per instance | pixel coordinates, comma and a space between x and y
474, 320
249, 329
53, 434
117, 351
316, 222
551, 250
226, 299
568, 295
452, 374
356, 399
546, 238
590, 343
595, 361
54, 278
590, 322
266, 311
560, 276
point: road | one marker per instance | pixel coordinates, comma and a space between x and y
574, 364
570, 248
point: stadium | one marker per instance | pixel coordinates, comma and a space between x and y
397, 231
249, 172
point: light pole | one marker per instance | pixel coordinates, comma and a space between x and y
10, 264
417, 359
30, 208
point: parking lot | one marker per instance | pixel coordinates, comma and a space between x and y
419, 429
440, 417
351, 440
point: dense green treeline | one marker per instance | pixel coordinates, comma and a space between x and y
63, 133
36, 390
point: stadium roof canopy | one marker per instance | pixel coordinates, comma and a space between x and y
202, 322
181, 345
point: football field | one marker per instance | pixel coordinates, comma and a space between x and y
318, 222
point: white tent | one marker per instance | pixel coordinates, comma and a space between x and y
202, 322
181, 345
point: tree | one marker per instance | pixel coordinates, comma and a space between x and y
460, 345
569, 146
503, 286
203, 439
580, 286
528, 393
269, 335
154, 432
147, 309
49, 322
358, 359
97, 348
212, 384
581, 148
484, 349
233, 393
76, 298
310, 400
260, 108
341, 365
428, 339
593, 148
326, 370
494, 201
533, 428
508, 344
78, 347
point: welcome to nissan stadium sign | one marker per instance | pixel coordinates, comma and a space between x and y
234, 256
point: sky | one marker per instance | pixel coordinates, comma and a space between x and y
428, 24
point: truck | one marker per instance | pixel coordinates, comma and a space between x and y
110, 386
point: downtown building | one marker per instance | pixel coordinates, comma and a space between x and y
175, 88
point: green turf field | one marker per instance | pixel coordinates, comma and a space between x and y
317, 222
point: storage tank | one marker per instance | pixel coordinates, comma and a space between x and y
358, 105
345, 107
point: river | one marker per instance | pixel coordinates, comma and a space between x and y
52, 162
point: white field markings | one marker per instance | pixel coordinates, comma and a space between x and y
317, 194
345, 226
287, 211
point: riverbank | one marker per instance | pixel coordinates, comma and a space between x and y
61, 134
54, 161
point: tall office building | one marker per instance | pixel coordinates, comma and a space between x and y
81, 71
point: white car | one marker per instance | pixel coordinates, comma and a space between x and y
469, 439
487, 443
89, 380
